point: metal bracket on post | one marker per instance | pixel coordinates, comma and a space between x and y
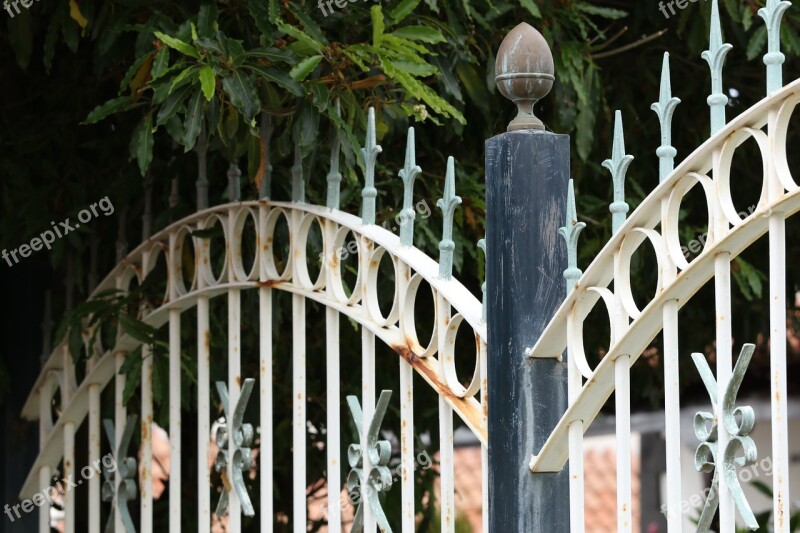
527, 176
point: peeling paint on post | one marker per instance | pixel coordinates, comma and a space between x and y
527, 174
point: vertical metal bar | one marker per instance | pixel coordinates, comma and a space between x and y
203, 416
672, 408
175, 453
234, 386
45, 426
447, 473
299, 418
120, 421
94, 457
146, 478
722, 289
368, 406
44, 509
778, 369
333, 437
577, 519
69, 473
527, 178
265, 376
407, 457
622, 400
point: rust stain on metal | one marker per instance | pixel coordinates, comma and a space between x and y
207, 340
269, 283
239, 380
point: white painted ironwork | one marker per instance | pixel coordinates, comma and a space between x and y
433, 360
656, 221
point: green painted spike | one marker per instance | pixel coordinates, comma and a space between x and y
448, 204
773, 59
298, 186
664, 108
482, 246
570, 232
334, 176
408, 174
715, 56
618, 166
370, 154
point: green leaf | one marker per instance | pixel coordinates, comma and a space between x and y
161, 63
757, 42
377, 25
20, 36
207, 82
304, 68
141, 147
182, 47
172, 105
402, 10
194, 120
532, 8
273, 54
115, 105
186, 76
137, 329
134, 68
279, 78
242, 94
207, 19
301, 36
425, 34
603, 12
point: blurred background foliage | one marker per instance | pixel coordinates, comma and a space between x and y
102, 97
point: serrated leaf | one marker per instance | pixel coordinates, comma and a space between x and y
207, 82
176, 44
376, 13
137, 329
531, 7
186, 76
425, 34
194, 120
300, 36
300, 71
402, 10
141, 147
115, 105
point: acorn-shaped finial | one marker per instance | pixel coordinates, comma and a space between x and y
524, 73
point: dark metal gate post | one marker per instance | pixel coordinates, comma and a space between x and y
527, 175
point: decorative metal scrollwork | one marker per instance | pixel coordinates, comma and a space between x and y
380, 477
242, 460
120, 495
738, 422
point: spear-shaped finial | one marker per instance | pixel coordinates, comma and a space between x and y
570, 232
715, 56
408, 173
773, 59
618, 166
370, 153
664, 108
298, 185
448, 204
334, 176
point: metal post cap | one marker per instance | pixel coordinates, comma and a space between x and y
524, 73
